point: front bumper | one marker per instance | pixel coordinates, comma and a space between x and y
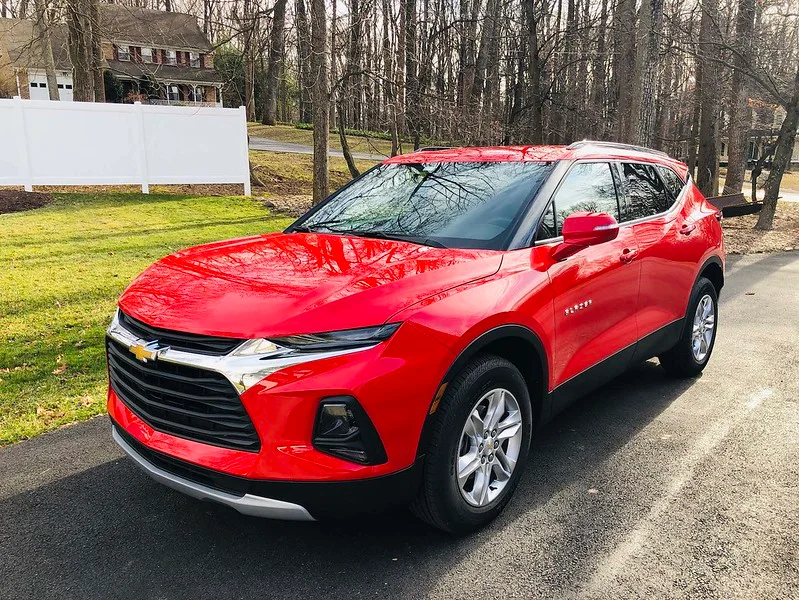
285, 500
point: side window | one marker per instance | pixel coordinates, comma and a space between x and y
673, 182
587, 187
646, 194
547, 229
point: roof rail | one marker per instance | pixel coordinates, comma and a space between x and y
434, 148
618, 145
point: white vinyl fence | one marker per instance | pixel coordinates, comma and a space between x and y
88, 143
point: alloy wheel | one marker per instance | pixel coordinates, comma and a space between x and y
704, 325
489, 447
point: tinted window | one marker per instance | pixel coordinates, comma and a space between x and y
673, 182
464, 205
547, 229
587, 187
646, 194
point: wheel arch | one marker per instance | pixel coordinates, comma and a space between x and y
515, 343
713, 269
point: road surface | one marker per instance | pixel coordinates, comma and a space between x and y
648, 488
257, 143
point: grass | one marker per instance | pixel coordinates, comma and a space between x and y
62, 268
293, 173
789, 183
293, 135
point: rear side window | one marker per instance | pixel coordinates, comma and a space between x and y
673, 182
646, 194
587, 187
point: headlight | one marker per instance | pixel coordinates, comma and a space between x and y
336, 340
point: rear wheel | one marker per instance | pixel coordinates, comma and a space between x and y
478, 447
692, 352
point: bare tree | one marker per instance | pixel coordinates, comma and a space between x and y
708, 162
648, 62
740, 115
782, 157
42, 28
275, 65
321, 99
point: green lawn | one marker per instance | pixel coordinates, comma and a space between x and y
62, 268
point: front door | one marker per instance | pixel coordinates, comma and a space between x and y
595, 291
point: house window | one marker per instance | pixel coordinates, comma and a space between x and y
173, 93
147, 55
194, 58
171, 57
123, 53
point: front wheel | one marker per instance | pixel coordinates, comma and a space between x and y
478, 448
692, 352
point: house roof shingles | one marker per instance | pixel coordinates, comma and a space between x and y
24, 48
146, 27
164, 73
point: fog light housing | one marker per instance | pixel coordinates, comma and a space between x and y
344, 430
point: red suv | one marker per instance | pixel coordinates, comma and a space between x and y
400, 343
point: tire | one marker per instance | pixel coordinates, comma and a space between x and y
683, 360
444, 502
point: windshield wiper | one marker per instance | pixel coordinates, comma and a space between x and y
424, 241
313, 227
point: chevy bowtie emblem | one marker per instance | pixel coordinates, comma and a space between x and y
144, 353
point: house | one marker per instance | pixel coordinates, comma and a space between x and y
766, 120
157, 57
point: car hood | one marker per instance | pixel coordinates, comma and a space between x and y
283, 284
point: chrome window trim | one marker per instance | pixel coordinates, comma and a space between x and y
674, 208
242, 371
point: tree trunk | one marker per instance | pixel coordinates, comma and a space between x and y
97, 54
782, 158
624, 27
275, 65
708, 162
42, 27
740, 115
80, 50
598, 89
345, 149
651, 25
533, 64
303, 61
411, 58
321, 99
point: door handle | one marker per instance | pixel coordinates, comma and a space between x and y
687, 228
628, 254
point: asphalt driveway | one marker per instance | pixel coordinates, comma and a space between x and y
649, 488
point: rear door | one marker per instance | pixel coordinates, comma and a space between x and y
654, 208
595, 292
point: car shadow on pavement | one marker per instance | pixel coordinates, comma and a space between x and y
111, 532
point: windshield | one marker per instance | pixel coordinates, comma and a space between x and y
452, 204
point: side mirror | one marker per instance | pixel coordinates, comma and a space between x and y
583, 229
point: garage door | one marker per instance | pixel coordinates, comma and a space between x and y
39, 91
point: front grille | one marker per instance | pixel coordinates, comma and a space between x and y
186, 342
184, 401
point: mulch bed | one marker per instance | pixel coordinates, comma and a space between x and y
741, 237
18, 201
